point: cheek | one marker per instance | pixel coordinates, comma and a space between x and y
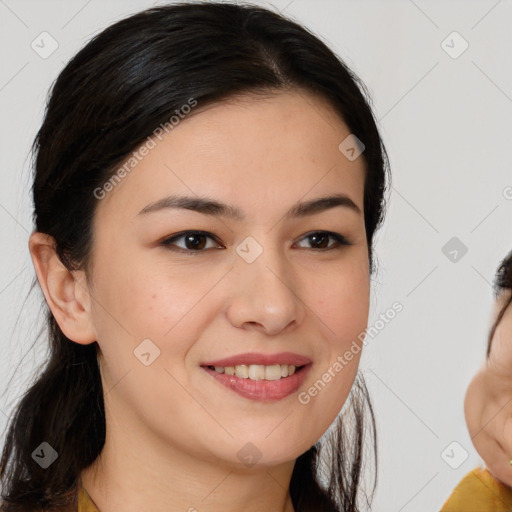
132, 308
172, 310
167, 311
342, 302
153, 302
342, 307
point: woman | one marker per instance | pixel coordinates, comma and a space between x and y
208, 181
488, 410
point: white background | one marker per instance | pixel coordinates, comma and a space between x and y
447, 126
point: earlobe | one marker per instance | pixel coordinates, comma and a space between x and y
67, 297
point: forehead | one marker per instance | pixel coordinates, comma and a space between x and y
262, 150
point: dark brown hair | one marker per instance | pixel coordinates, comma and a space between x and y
502, 283
109, 98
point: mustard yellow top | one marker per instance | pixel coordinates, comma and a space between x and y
85, 503
479, 491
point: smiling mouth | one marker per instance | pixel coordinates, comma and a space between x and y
258, 372
253, 381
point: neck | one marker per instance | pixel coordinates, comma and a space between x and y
132, 474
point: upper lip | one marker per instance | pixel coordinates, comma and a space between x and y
262, 359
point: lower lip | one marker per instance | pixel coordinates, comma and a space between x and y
262, 390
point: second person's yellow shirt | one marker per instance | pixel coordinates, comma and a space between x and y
479, 491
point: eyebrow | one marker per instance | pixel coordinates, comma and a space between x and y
210, 206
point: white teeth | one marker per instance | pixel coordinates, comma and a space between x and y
242, 371
258, 371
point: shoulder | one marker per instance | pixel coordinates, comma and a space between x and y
479, 490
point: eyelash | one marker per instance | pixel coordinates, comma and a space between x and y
341, 241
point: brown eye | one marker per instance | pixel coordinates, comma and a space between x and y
320, 240
194, 241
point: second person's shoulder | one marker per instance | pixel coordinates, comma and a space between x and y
479, 490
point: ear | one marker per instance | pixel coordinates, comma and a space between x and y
66, 293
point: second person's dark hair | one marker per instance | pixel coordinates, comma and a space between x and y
125, 82
502, 283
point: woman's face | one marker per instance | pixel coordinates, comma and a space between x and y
254, 284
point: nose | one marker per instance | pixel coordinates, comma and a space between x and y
265, 294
